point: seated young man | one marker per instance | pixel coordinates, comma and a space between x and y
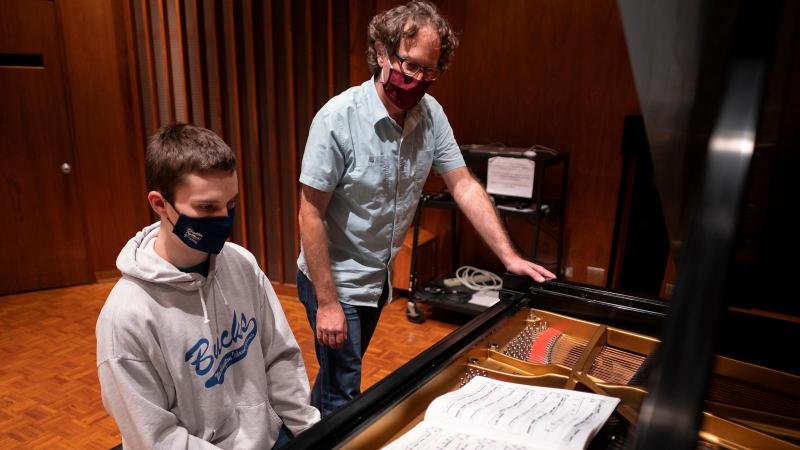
193, 348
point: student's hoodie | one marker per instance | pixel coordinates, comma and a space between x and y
187, 361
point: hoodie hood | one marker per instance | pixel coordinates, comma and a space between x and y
138, 259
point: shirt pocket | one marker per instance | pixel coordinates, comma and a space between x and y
368, 185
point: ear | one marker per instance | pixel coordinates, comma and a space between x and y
157, 202
381, 54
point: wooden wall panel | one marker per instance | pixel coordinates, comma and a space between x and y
361, 12
527, 72
267, 120
537, 72
557, 75
287, 129
252, 166
144, 75
255, 72
109, 154
44, 243
232, 119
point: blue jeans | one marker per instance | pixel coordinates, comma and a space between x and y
339, 378
284, 436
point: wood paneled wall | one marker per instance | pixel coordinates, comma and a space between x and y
255, 72
99, 62
527, 72
554, 73
88, 120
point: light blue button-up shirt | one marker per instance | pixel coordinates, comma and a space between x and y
376, 171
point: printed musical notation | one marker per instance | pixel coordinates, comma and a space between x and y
487, 413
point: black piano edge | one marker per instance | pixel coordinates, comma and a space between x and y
632, 313
351, 418
554, 296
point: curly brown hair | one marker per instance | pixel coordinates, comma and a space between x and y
391, 26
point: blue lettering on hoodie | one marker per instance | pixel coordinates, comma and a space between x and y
242, 330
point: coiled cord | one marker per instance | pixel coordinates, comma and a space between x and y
478, 279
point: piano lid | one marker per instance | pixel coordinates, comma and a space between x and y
701, 69
679, 52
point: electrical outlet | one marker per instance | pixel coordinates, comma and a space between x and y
595, 276
568, 271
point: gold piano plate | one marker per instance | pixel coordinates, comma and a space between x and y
747, 406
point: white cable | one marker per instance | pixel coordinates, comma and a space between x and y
478, 279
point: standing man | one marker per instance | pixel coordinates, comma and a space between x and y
368, 155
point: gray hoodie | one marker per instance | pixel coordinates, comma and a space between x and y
187, 361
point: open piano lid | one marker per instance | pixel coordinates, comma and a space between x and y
713, 79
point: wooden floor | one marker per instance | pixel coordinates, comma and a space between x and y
49, 393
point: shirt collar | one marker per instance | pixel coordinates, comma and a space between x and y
377, 112
375, 109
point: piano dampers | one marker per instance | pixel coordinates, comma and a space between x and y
615, 366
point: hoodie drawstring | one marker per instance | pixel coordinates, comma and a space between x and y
213, 281
203, 302
221, 292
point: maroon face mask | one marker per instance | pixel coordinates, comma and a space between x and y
404, 91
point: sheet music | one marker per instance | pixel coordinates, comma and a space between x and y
428, 436
518, 415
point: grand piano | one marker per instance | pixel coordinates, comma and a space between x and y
716, 365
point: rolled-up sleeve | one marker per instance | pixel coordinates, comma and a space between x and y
447, 156
324, 158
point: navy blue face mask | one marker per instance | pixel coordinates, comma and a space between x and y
206, 234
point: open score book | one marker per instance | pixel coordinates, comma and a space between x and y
487, 413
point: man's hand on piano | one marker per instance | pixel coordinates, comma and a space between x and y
522, 266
